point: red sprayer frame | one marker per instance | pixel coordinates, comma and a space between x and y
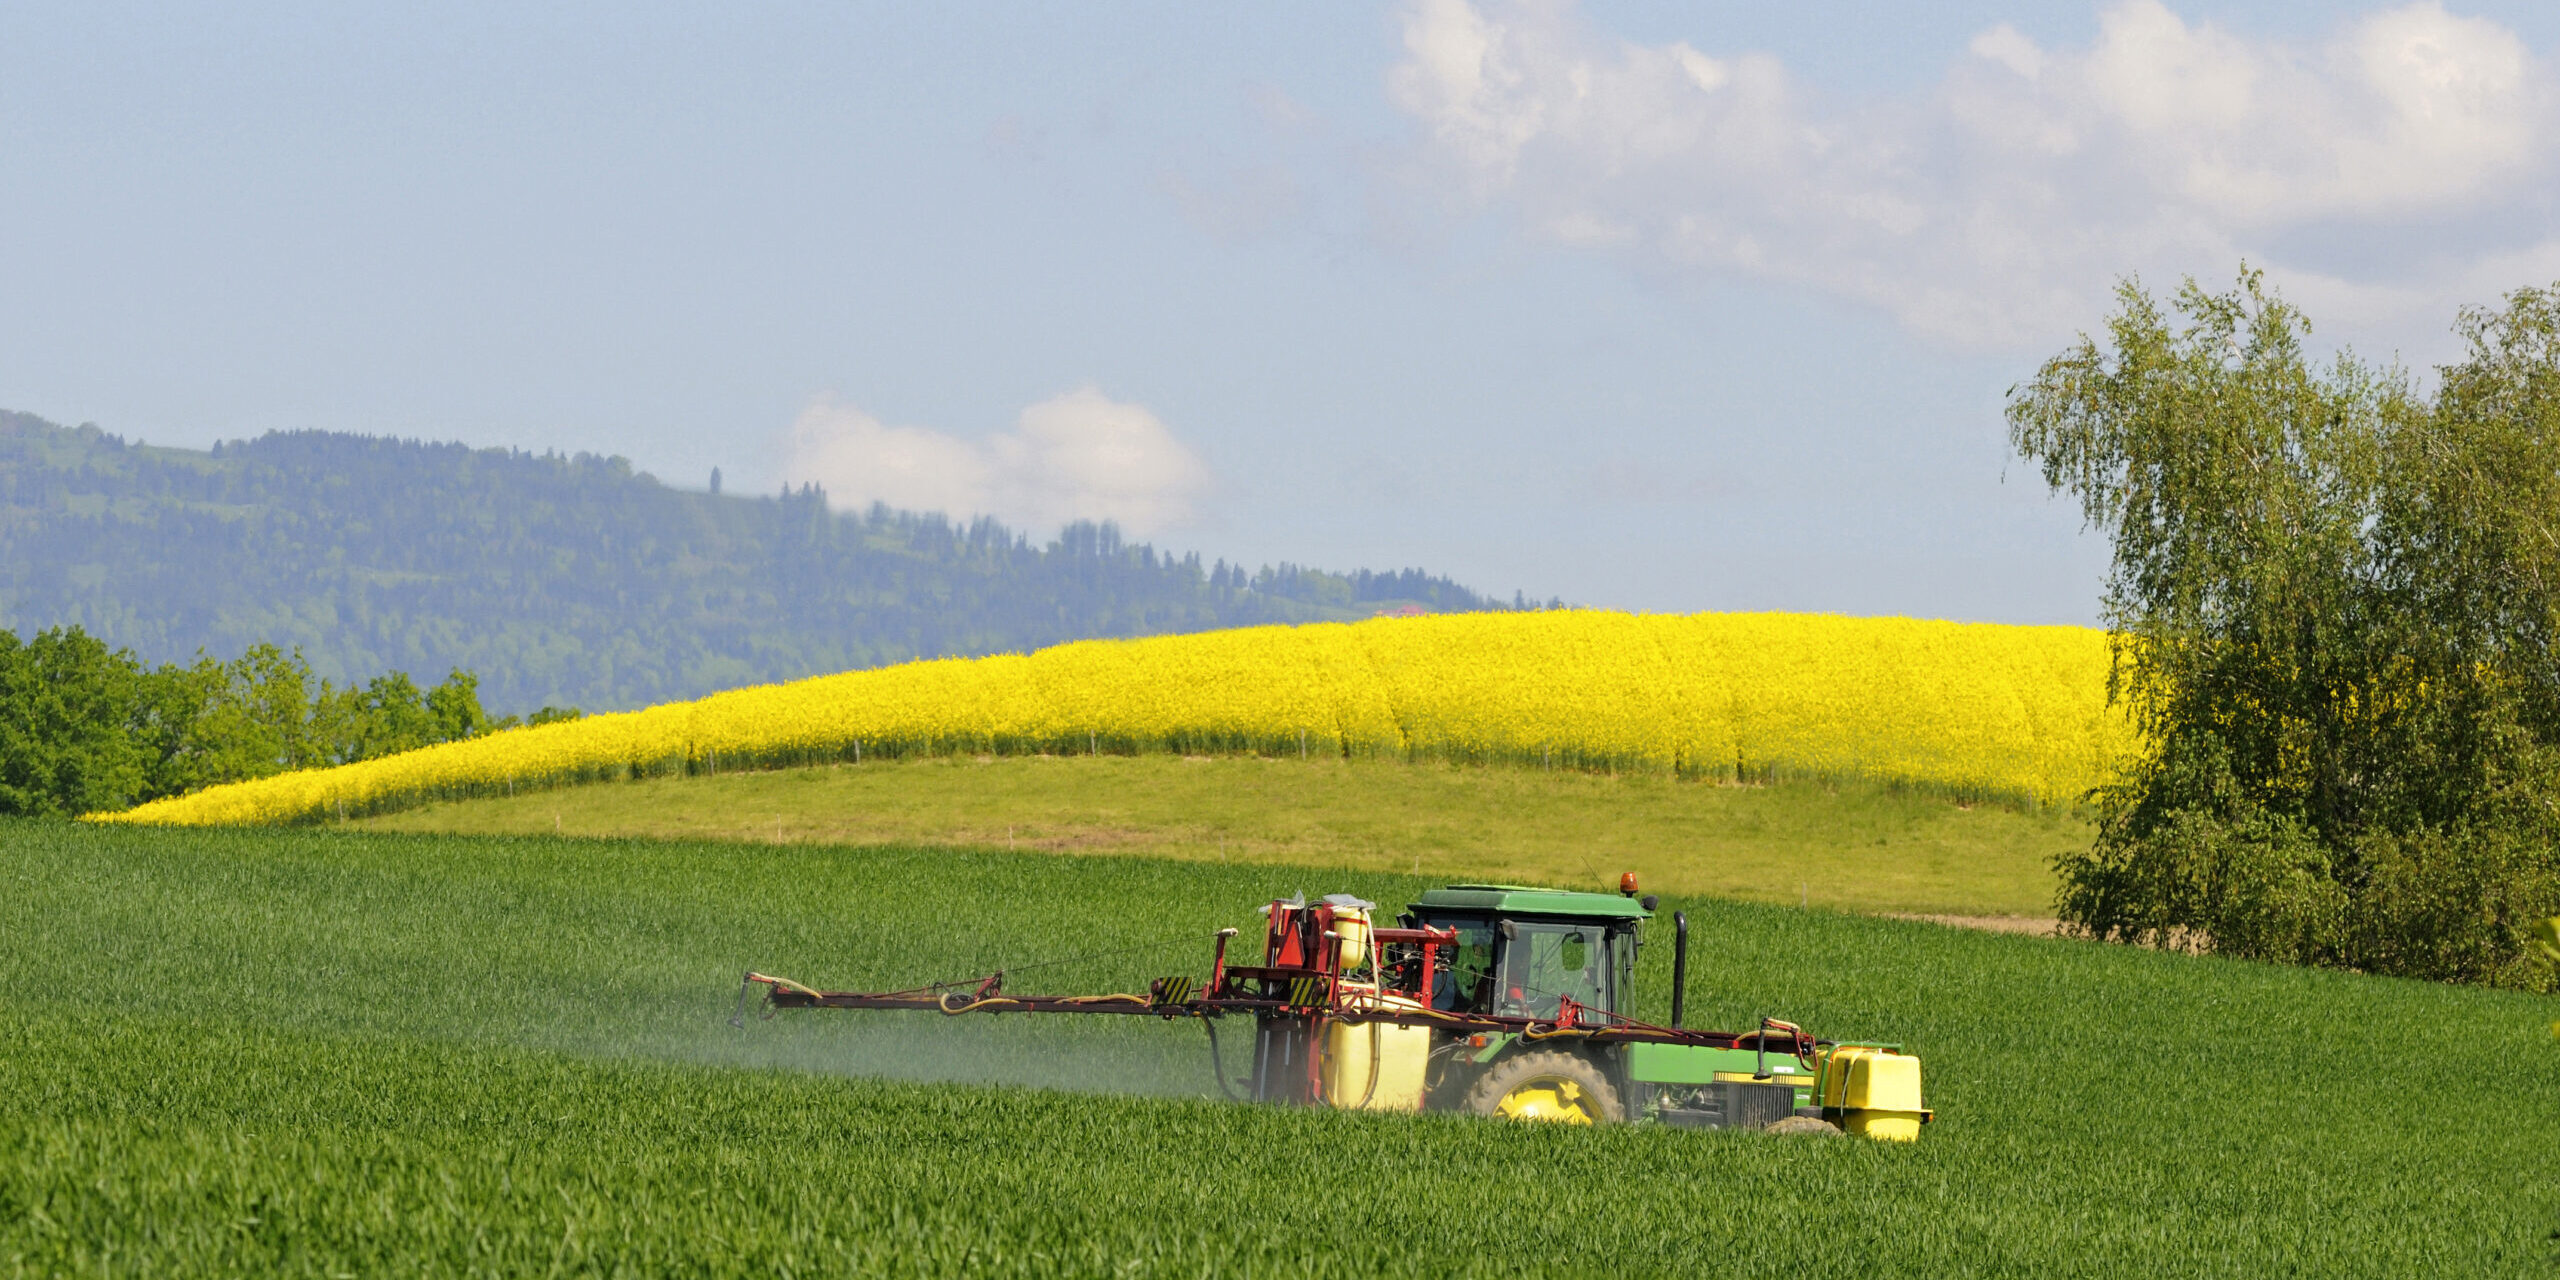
1300, 978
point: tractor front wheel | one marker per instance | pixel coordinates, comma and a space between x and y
1547, 1085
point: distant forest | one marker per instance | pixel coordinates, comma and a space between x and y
572, 580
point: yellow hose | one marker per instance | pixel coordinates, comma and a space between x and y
956, 1010
947, 997
784, 983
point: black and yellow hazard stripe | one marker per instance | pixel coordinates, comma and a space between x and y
1175, 990
1307, 993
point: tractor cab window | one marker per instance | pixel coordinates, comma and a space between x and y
1543, 962
1622, 989
1463, 982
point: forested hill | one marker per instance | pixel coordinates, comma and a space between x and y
570, 580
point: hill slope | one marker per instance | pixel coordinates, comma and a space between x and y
1854, 846
1970, 709
570, 579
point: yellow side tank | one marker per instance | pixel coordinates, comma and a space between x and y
1351, 935
1875, 1092
1401, 1054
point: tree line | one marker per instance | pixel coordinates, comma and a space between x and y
575, 579
2336, 592
85, 728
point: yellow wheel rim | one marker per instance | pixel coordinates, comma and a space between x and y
1557, 1098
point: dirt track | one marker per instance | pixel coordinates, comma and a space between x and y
2042, 927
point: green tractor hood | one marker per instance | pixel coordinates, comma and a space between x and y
1521, 900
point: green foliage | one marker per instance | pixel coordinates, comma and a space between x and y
308, 1053
571, 579
254, 718
2337, 604
68, 714
85, 729
453, 708
547, 715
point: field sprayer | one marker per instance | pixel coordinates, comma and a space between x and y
1496, 1000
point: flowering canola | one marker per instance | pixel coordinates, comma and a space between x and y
1973, 708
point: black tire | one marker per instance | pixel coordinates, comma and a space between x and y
1577, 1091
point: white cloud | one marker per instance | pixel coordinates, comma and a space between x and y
1077, 456
1999, 205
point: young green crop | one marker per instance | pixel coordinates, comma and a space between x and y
310, 1052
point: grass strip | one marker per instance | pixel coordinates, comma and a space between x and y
1858, 846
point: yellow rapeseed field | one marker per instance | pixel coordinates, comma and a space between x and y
1971, 708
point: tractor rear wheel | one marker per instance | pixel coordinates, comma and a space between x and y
1547, 1085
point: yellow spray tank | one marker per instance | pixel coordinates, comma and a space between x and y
1370, 1066
1400, 1055
1350, 933
1873, 1091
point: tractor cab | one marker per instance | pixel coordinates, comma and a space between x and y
1532, 953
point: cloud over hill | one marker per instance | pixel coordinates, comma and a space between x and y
1077, 456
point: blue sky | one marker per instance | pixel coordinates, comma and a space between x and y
1668, 307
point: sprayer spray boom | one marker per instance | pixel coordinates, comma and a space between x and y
1489, 998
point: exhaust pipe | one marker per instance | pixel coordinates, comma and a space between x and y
1679, 965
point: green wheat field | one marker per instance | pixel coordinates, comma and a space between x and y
363, 1053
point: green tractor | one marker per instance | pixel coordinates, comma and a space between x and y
1492, 1000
